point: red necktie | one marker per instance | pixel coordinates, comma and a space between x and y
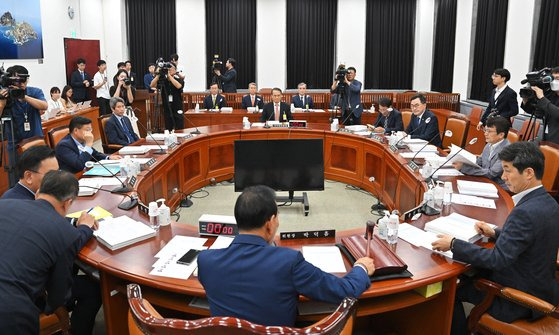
277, 112
252, 99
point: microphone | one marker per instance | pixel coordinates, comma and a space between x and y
430, 178
447, 133
122, 189
378, 207
123, 205
266, 125
347, 118
197, 131
157, 152
427, 120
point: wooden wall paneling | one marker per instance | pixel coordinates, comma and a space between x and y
390, 182
221, 155
344, 158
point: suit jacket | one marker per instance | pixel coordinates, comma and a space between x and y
524, 256
264, 282
425, 131
268, 112
490, 164
506, 104
299, 103
76, 81
219, 102
548, 108
38, 249
395, 122
70, 158
18, 192
353, 93
115, 132
229, 81
247, 102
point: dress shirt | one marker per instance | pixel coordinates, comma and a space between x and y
82, 147
494, 145
518, 196
498, 92
103, 91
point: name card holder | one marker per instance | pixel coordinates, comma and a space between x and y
308, 234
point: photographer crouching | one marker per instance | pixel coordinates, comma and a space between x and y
544, 103
169, 84
22, 105
348, 90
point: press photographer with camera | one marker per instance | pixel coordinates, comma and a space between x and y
545, 105
122, 87
169, 84
229, 78
348, 90
502, 100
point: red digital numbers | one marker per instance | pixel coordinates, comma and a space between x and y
218, 228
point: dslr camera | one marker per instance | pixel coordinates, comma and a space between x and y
541, 79
163, 67
216, 63
7, 80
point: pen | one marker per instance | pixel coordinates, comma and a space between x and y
90, 210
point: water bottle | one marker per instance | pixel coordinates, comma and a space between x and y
334, 126
429, 198
438, 195
164, 214
447, 193
372, 110
166, 138
383, 226
392, 231
153, 215
123, 167
197, 108
246, 122
292, 108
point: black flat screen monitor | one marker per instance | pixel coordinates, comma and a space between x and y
284, 165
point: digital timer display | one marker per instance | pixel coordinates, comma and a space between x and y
216, 229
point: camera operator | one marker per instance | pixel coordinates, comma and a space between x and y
546, 106
350, 98
170, 84
25, 104
502, 100
180, 70
122, 87
229, 78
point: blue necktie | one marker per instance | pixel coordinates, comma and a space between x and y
126, 131
418, 121
83, 76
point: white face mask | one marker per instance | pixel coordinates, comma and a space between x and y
554, 85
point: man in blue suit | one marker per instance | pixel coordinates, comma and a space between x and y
76, 148
38, 249
31, 167
118, 127
502, 100
229, 78
302, 100
276, 110
80, 81
390, 119
214, 100
423, 123
351, 112
252, 99
525, 252
263, 281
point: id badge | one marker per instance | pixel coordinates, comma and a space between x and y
170, 98
26, 126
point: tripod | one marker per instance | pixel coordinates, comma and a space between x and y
8, 143
342, 102
161, 95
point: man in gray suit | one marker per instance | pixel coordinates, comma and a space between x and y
495, 131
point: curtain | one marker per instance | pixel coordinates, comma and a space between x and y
546, 53
390, 35
489, 49
231, 33
443, 51
311, 34
152, 33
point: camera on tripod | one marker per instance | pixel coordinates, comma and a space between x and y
216, 63
162, 67
341, 72
541, 79
7, 80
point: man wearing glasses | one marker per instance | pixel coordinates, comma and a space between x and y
489, 164
423, 123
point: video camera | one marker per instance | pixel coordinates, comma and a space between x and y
7, 80
341, 72
216, 63
163, 66
541, 79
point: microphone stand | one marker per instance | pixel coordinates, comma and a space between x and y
161, 151
122, 189
266, 125
427, 120
431, 178
133, 202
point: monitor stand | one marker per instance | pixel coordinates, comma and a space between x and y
291, 198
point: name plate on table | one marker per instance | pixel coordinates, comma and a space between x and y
344, 130
186, 137
377, 138
393, 148
280, 125
413, 166
132, 181
172, 146
151, 162
307, 234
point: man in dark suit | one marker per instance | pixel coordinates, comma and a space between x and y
229, 78
525, 252
38, 249
423, 123
252, 99
389, 119
131, 75
302, 100
118, 127
502, 100
76, 148
276, 110
80, 82
263, 281
31, 167
351, 112
214, 100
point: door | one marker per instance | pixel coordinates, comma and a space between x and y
88, 50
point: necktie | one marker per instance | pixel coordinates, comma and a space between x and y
303, 100
252, 99
276, 116
213, 98
126, 131
385, 122
418, 121
83, 76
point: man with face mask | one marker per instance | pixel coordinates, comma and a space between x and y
547, 106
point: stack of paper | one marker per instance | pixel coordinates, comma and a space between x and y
424, 154
122, 231
477, 188
356, 128
471, 200
326, 258
409, 140
133, 150
447, 172
167, 266
462, 156
98, 212
419, 238
419, 146
117, 161
459, 226
88, 186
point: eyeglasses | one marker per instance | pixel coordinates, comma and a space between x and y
416, 105
489, 130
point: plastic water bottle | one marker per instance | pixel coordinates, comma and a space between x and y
429, 198
438, 195
383, 226
447, 193
334, 126
246, 122
164, 214
197, 108
292, 108
392, 231
166, 138
153, 215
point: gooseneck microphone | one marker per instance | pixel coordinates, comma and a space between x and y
430, 178
161, 151
266, 125
127, 205
196, 131
122, 189
427, 120
447, 133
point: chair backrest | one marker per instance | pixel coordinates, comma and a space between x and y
550, 178
55, 323
265, 90
406, 117
56, 134
529, 130
143, 318
459, 130
513, 135
31, 142
475, 115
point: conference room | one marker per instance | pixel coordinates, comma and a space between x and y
405, 146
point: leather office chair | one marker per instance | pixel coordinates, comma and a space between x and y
56, 134
406, 117
550, 178
526, 134
513, 135
459, 129
481, 322
107, 147
55, 323
31, 142
144, 319
265, 90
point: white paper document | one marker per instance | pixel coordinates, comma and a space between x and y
447, 172
417, 147
423, 154
169, 267
409, 140
472, 200
122, 231
133, 150
180, 245
477, 188
462, 156
327, 258
222, 242
419, 238
154, 147
459, 226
